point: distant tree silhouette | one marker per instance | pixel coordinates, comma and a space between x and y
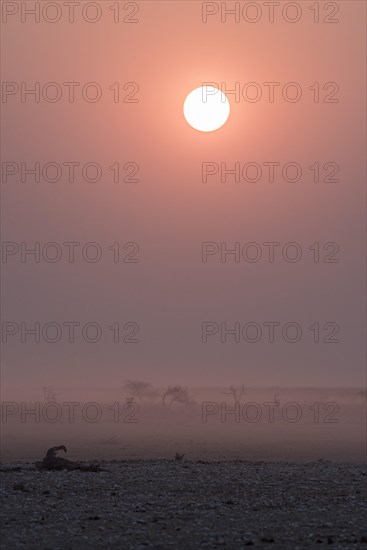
237, 393
140, 390
49, 394
176, 394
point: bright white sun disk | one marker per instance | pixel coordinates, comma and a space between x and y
206, 108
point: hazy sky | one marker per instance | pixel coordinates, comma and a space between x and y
169, 211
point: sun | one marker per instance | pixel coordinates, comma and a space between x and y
206, 109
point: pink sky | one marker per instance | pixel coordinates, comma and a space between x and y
169, 212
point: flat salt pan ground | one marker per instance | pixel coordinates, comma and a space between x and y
140, 504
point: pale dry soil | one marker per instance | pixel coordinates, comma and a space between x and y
159, 504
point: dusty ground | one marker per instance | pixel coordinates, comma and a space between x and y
163, 504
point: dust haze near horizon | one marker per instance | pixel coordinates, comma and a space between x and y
170, 211
297, 424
